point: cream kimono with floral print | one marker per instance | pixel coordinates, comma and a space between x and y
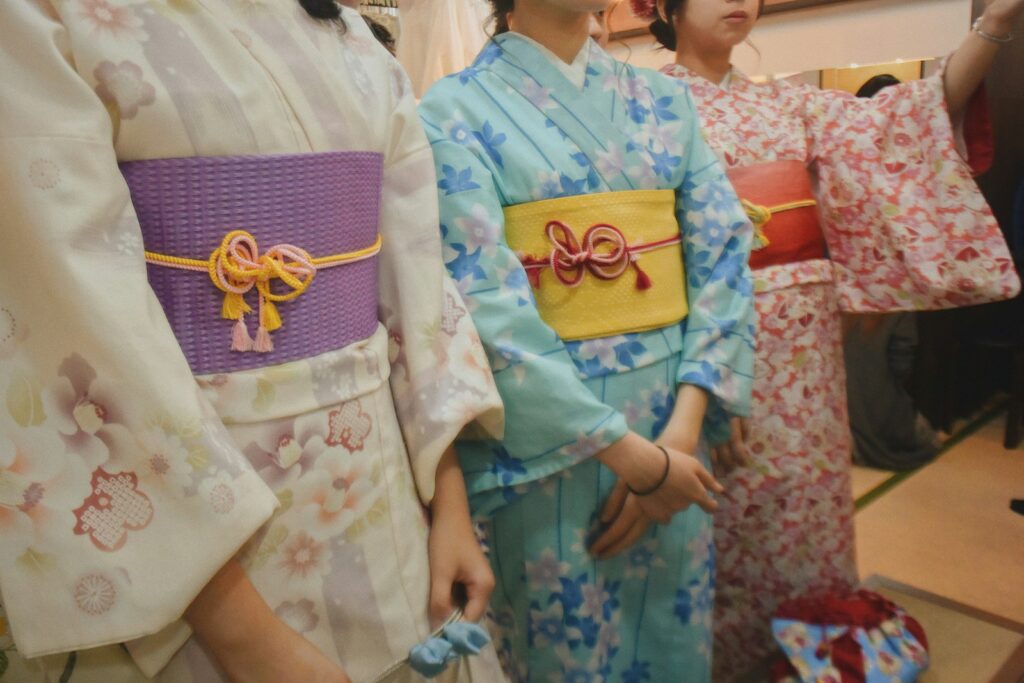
125, 482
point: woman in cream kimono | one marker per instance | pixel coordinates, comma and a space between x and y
870, 209
127, 485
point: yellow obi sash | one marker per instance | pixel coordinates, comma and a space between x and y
583, 255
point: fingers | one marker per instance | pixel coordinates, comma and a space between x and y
700, 486
613, 506
478, 593
738, 442
634, 534
619, 527
728, 461
733, 453
441, 603
722, 461
707, 479
704, 500
717, 459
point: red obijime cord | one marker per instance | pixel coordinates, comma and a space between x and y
603, 252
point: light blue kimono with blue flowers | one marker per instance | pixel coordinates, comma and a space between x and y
512, 129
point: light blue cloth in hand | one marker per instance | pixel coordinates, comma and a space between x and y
460, 639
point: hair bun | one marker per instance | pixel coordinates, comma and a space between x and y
664, 34
321, 9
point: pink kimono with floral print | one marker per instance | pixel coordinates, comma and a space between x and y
125, 482
906, 229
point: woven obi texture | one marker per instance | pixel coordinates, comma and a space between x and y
780, 203
261, 260
602, 264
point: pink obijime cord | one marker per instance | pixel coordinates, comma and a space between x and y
236, 267
603, 252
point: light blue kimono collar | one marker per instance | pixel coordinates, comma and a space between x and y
531, 74
576, 71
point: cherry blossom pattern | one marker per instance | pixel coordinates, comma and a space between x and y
36, 493
115, 507
110, 20
336, 493
349, 426
300, 615
123, 86
88, 413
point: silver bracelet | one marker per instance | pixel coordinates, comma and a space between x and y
976, 27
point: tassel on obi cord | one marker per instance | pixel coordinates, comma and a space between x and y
604, 252
760, 215
576, 272
237, 266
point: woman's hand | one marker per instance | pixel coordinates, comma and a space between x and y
640, 465
1000, 16
248, 641
458, 569
967, 67
733, 453
625, 520
688, 482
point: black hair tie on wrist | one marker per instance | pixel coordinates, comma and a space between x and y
664, 476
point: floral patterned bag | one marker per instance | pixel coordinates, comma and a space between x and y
858, 638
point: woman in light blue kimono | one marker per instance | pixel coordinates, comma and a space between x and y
604, 568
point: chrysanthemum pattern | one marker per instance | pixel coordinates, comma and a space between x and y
95, 594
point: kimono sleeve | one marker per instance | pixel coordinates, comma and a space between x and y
905, 224
122, 493
440, 379
718, 333
552, 420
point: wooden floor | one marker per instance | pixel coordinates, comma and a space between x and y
948, 528
947, 532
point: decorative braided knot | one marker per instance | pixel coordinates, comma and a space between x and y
236, 267
604, 253
759, 215
569, 260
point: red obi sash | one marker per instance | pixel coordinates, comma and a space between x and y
780, 202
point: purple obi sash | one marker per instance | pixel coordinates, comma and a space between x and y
260, 260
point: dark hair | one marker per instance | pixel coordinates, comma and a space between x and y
324, 10
381, 33
665, 31
876, 83
499, 13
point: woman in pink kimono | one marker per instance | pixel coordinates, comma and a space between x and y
863, 206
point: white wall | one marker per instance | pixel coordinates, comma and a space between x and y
860, 32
